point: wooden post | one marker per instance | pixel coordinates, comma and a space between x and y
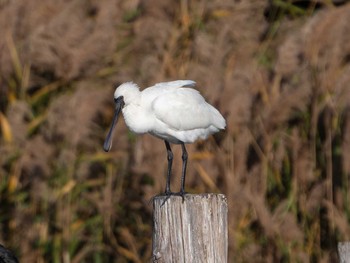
190, 230
344, 252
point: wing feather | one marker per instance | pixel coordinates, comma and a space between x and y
176, 84
184, 109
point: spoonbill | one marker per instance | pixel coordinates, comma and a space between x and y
171, 111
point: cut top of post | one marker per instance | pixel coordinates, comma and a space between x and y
193, 229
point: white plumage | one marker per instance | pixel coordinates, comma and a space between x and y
171, 111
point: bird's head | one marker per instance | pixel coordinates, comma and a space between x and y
129, 91
124, 95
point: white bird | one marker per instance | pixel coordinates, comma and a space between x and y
171, 111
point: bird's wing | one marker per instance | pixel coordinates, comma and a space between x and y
183, 109
176, 84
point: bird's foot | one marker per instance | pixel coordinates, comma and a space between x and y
168, 194
182, 194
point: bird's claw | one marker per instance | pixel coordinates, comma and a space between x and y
167, 195
182, 194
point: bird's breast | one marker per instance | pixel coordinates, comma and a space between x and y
137, 120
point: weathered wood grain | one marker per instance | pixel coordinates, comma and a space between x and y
190, 230
344, 252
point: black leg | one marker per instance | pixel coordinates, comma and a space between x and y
184, 165
170, 163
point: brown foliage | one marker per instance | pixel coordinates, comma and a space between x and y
283, 161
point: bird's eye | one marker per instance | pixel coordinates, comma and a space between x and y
120, 98
119, 101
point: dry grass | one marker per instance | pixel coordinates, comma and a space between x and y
279, 72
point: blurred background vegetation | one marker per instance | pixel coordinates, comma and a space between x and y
279, 71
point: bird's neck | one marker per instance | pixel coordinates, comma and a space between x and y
135, 118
